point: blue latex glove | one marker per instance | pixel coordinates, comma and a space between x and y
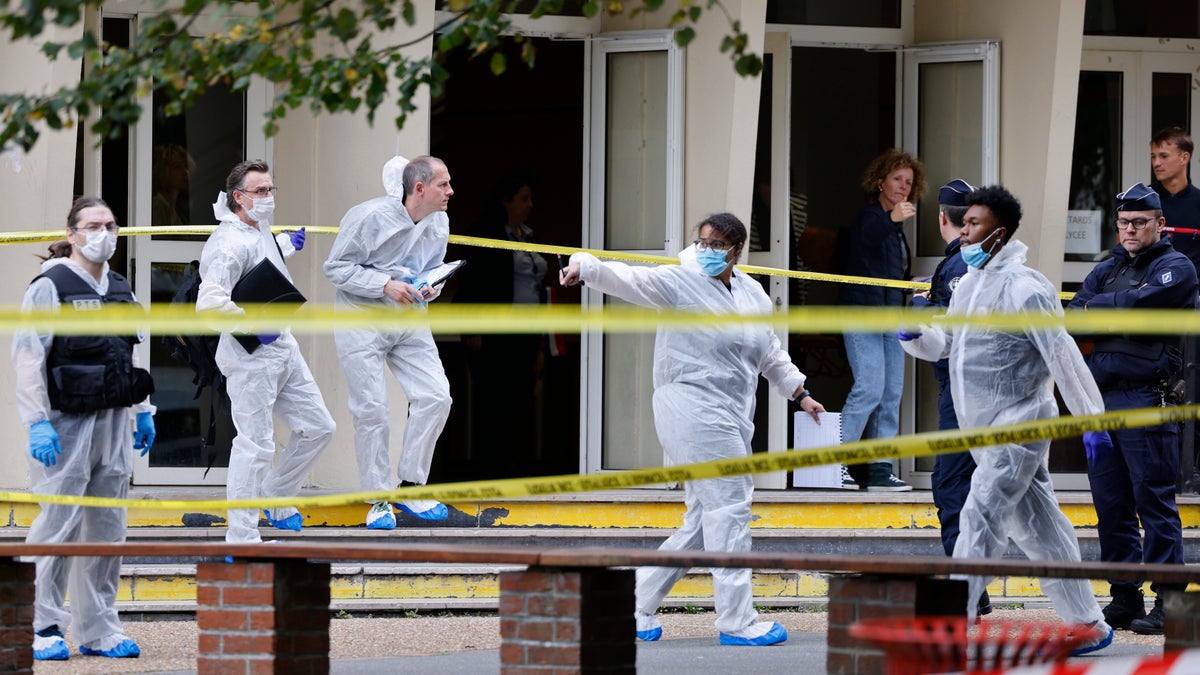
43, 443
297, 238
1096, 445
143, 438
268, 338
904, 334
420, 284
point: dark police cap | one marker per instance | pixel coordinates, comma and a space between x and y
955, 193
1138, 198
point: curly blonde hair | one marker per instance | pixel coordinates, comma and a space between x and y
883, 166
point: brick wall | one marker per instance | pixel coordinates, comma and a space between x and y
561, 621
16, 616
862, 596
1181, 630
263, 617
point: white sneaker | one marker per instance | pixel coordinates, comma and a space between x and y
381, 517
848, 482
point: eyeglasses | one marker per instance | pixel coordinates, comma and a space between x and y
1137, 223
97, 227
714, 244
261, 192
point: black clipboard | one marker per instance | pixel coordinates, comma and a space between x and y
263, 284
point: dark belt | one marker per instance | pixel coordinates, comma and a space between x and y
1121, 385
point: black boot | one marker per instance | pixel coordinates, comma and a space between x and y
1152, 623
985, 605
1127, 606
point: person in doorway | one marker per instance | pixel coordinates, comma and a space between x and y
951, 479
269, 377
1011, 494
505, 367
1132, 471
704, 398
79, 396
1170, 155
875, 246
383, 253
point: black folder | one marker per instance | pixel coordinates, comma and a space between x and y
263, 284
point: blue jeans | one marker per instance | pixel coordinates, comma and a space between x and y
872, 409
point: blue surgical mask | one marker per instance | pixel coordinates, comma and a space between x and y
711, 262
974, 255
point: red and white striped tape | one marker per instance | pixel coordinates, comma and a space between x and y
1174, 663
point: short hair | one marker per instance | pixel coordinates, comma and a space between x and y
419, 170
1003, 205
1173, 134
954, 213
237, 179
728, 225
891, 160
81, 204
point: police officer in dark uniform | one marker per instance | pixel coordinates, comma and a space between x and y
951, 472
1132, 471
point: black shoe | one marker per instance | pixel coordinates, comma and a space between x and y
985, 605
1152, 624
1127, 605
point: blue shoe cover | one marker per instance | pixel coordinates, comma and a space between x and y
437, 511
387, 522
651, 635
1090, 647
127, 649
293, 522
776, 635
57, 651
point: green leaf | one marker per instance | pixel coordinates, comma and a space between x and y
684, 35
499, 63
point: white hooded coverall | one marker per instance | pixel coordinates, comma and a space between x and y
273, 380
378, 242
998, 378
705, 380
96, 460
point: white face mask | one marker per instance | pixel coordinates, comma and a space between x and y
100, 246
263, 209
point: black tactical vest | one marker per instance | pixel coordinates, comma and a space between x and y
88, 373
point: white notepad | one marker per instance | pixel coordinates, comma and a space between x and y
808, 434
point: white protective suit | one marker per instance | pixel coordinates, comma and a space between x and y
998, 378
274, 379
705, 380
376, 243
96, 460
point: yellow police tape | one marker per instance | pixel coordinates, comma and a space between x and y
205, 230
180, 319
31, 236
933, 443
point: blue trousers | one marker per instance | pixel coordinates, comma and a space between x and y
872, 408
1136, 481
951, 479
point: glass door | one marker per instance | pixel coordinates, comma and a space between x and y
180, 164
636, 206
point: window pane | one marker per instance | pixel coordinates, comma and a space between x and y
760, 210
1138, 18
866, 13
1095, 166
636, 147
192, 155
629, 440
184, 413
1171, 100
951, 138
